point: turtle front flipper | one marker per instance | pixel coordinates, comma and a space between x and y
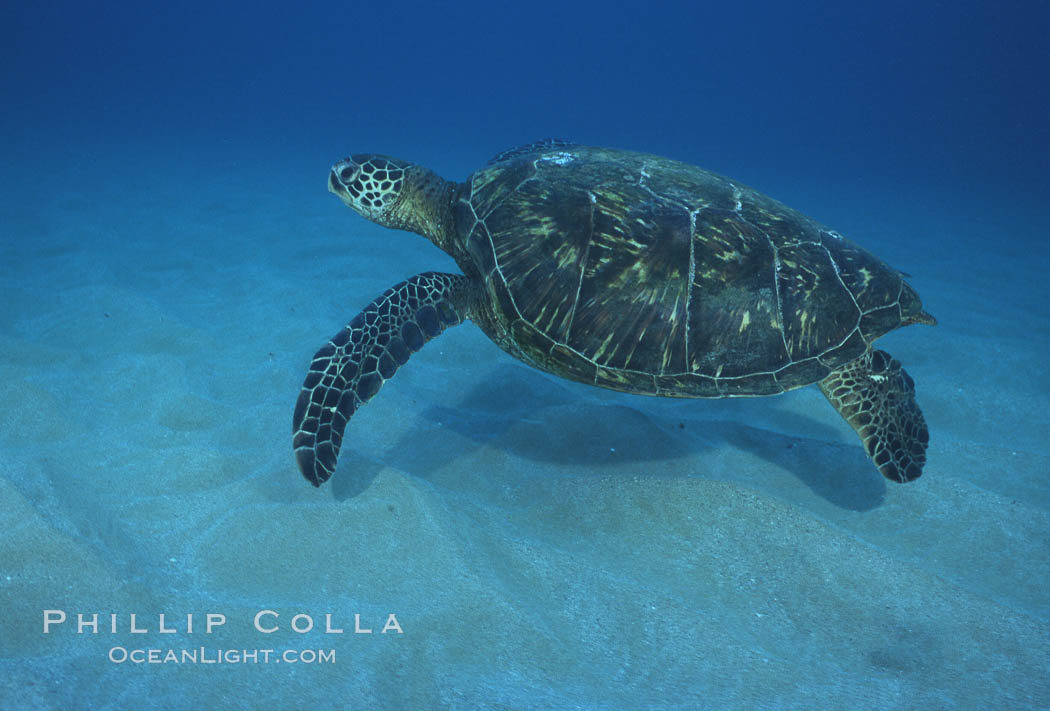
876, 396
355, 363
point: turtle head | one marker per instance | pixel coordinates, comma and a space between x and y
370, 184
397, 194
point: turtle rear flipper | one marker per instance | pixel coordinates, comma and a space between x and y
876, 396
355, 363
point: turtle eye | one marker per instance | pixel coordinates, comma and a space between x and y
346, 174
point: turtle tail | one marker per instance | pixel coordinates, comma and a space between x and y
911, 307
351, 368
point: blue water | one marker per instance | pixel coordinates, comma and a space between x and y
171, 260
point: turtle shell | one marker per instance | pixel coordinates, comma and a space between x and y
644, 274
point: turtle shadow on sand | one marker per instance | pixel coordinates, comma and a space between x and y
546, 421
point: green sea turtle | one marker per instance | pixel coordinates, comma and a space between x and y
630, 272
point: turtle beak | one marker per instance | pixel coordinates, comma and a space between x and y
336, 184
337, 188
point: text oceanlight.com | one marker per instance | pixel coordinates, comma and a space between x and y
203, 655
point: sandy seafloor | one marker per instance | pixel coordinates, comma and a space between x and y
542, 544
